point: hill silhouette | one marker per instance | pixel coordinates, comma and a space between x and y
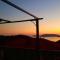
50, 35
21, 47
23, 41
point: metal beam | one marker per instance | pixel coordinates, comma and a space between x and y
8, 21
19, 8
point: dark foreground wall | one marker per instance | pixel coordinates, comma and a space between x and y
27, 54
19, 54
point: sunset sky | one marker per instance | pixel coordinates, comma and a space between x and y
47, 9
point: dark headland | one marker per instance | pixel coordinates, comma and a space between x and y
18, 46
23, 41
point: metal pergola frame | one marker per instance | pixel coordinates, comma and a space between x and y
36, 19
3, 21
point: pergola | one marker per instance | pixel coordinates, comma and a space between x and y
36, 19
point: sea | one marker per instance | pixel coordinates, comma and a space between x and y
54, 39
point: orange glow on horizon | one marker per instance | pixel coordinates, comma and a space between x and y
30, 29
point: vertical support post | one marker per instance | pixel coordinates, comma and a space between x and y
37, 29
37, 39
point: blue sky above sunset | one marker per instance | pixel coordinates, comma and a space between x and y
47, 9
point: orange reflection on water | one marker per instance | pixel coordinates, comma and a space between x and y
53, 38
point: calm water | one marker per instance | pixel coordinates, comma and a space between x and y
52, 38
